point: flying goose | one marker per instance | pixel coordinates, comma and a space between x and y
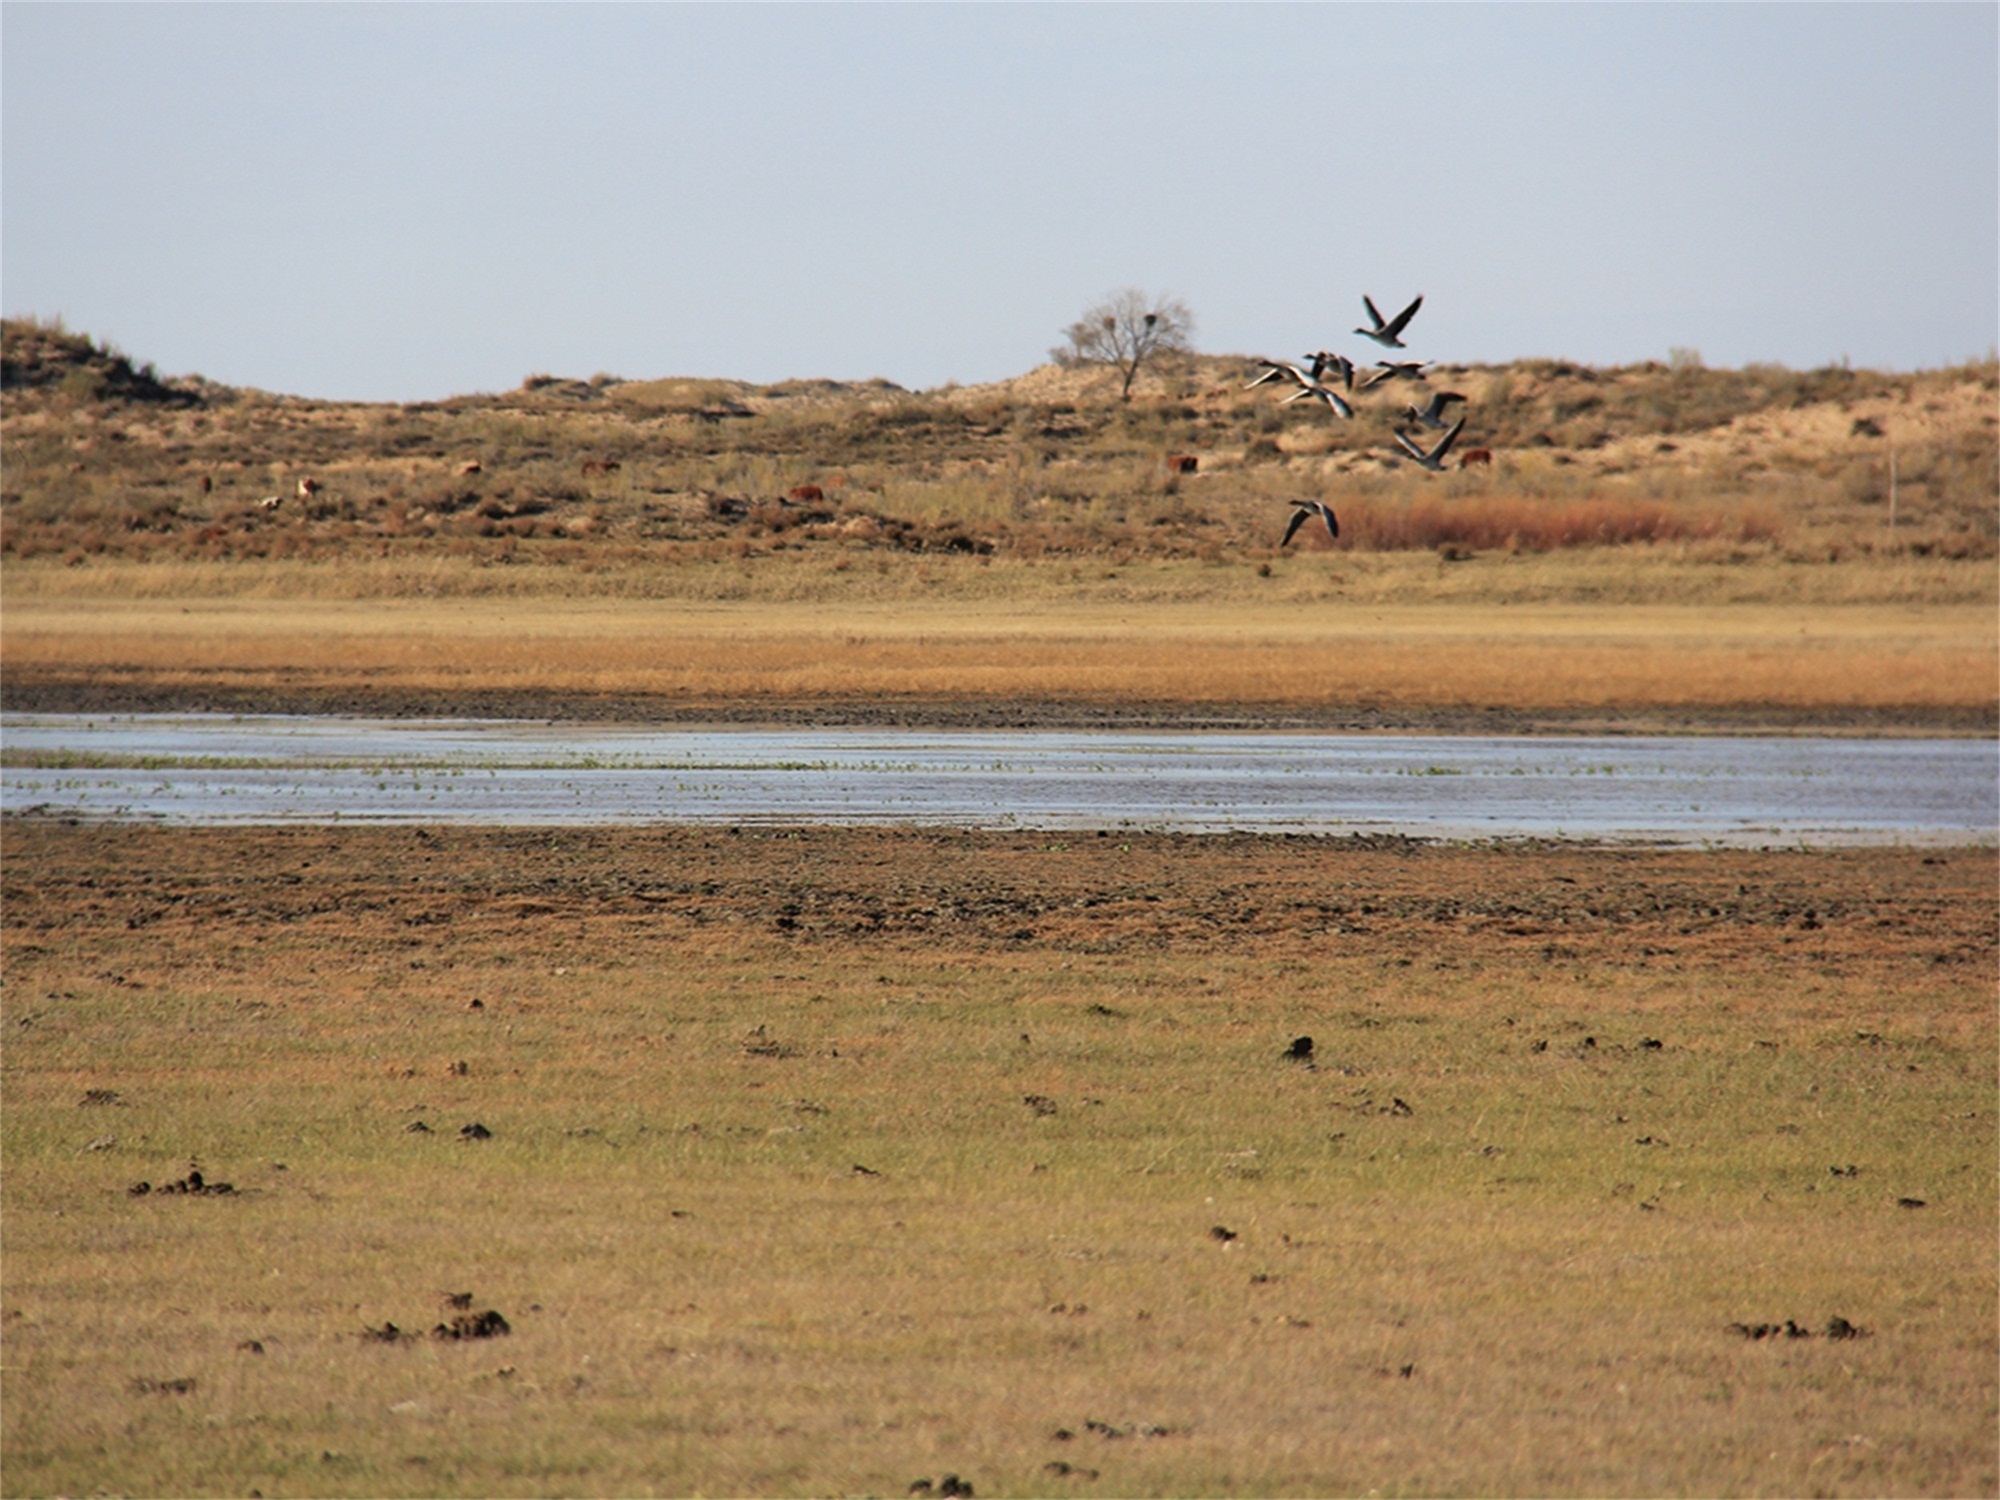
1432, 416
1301, 509
1386, 334
1277, 369
1433, 460
1392, 370
1340, 363
1314, 391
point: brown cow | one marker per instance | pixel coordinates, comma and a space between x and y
470, 466
806, 494
1476, 456
1182, 463
600, 466
308, 488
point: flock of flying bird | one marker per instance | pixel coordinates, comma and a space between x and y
1315, 382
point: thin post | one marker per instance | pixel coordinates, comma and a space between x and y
1892, 487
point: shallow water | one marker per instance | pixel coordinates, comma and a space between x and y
189, 768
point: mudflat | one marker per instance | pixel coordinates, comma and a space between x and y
815, 1161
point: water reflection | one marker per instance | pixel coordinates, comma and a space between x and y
219, 769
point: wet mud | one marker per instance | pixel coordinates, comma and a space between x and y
49, 692
163, 897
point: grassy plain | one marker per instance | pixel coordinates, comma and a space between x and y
823, 1162
1377, 640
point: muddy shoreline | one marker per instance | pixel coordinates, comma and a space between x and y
205, 890
69, 695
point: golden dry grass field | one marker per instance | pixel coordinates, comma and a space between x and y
972, 649
823, 1163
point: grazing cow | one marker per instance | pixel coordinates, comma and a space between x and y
308, 488
1182, 463
207, 485
1482, 456
600, 466
270, 502
471, 466
806, 494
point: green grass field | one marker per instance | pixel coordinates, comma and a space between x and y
829, 1163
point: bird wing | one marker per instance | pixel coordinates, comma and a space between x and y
1444, 398
1445, 442
1298, 519
1332, 521
1279, 372
1374, 315
1402, 318
1282, 371
1409, 447
1315, 391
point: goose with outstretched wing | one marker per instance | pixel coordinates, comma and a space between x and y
1305, 510
1388, 334
1433, 460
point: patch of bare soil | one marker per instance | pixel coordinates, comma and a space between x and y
180, 896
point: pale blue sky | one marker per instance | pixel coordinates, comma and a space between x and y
411, 201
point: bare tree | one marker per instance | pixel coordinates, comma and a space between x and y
1125, 330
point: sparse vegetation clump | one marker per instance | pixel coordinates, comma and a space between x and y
45, 356
1127, 331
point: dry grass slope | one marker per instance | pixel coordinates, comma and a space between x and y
668, 472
